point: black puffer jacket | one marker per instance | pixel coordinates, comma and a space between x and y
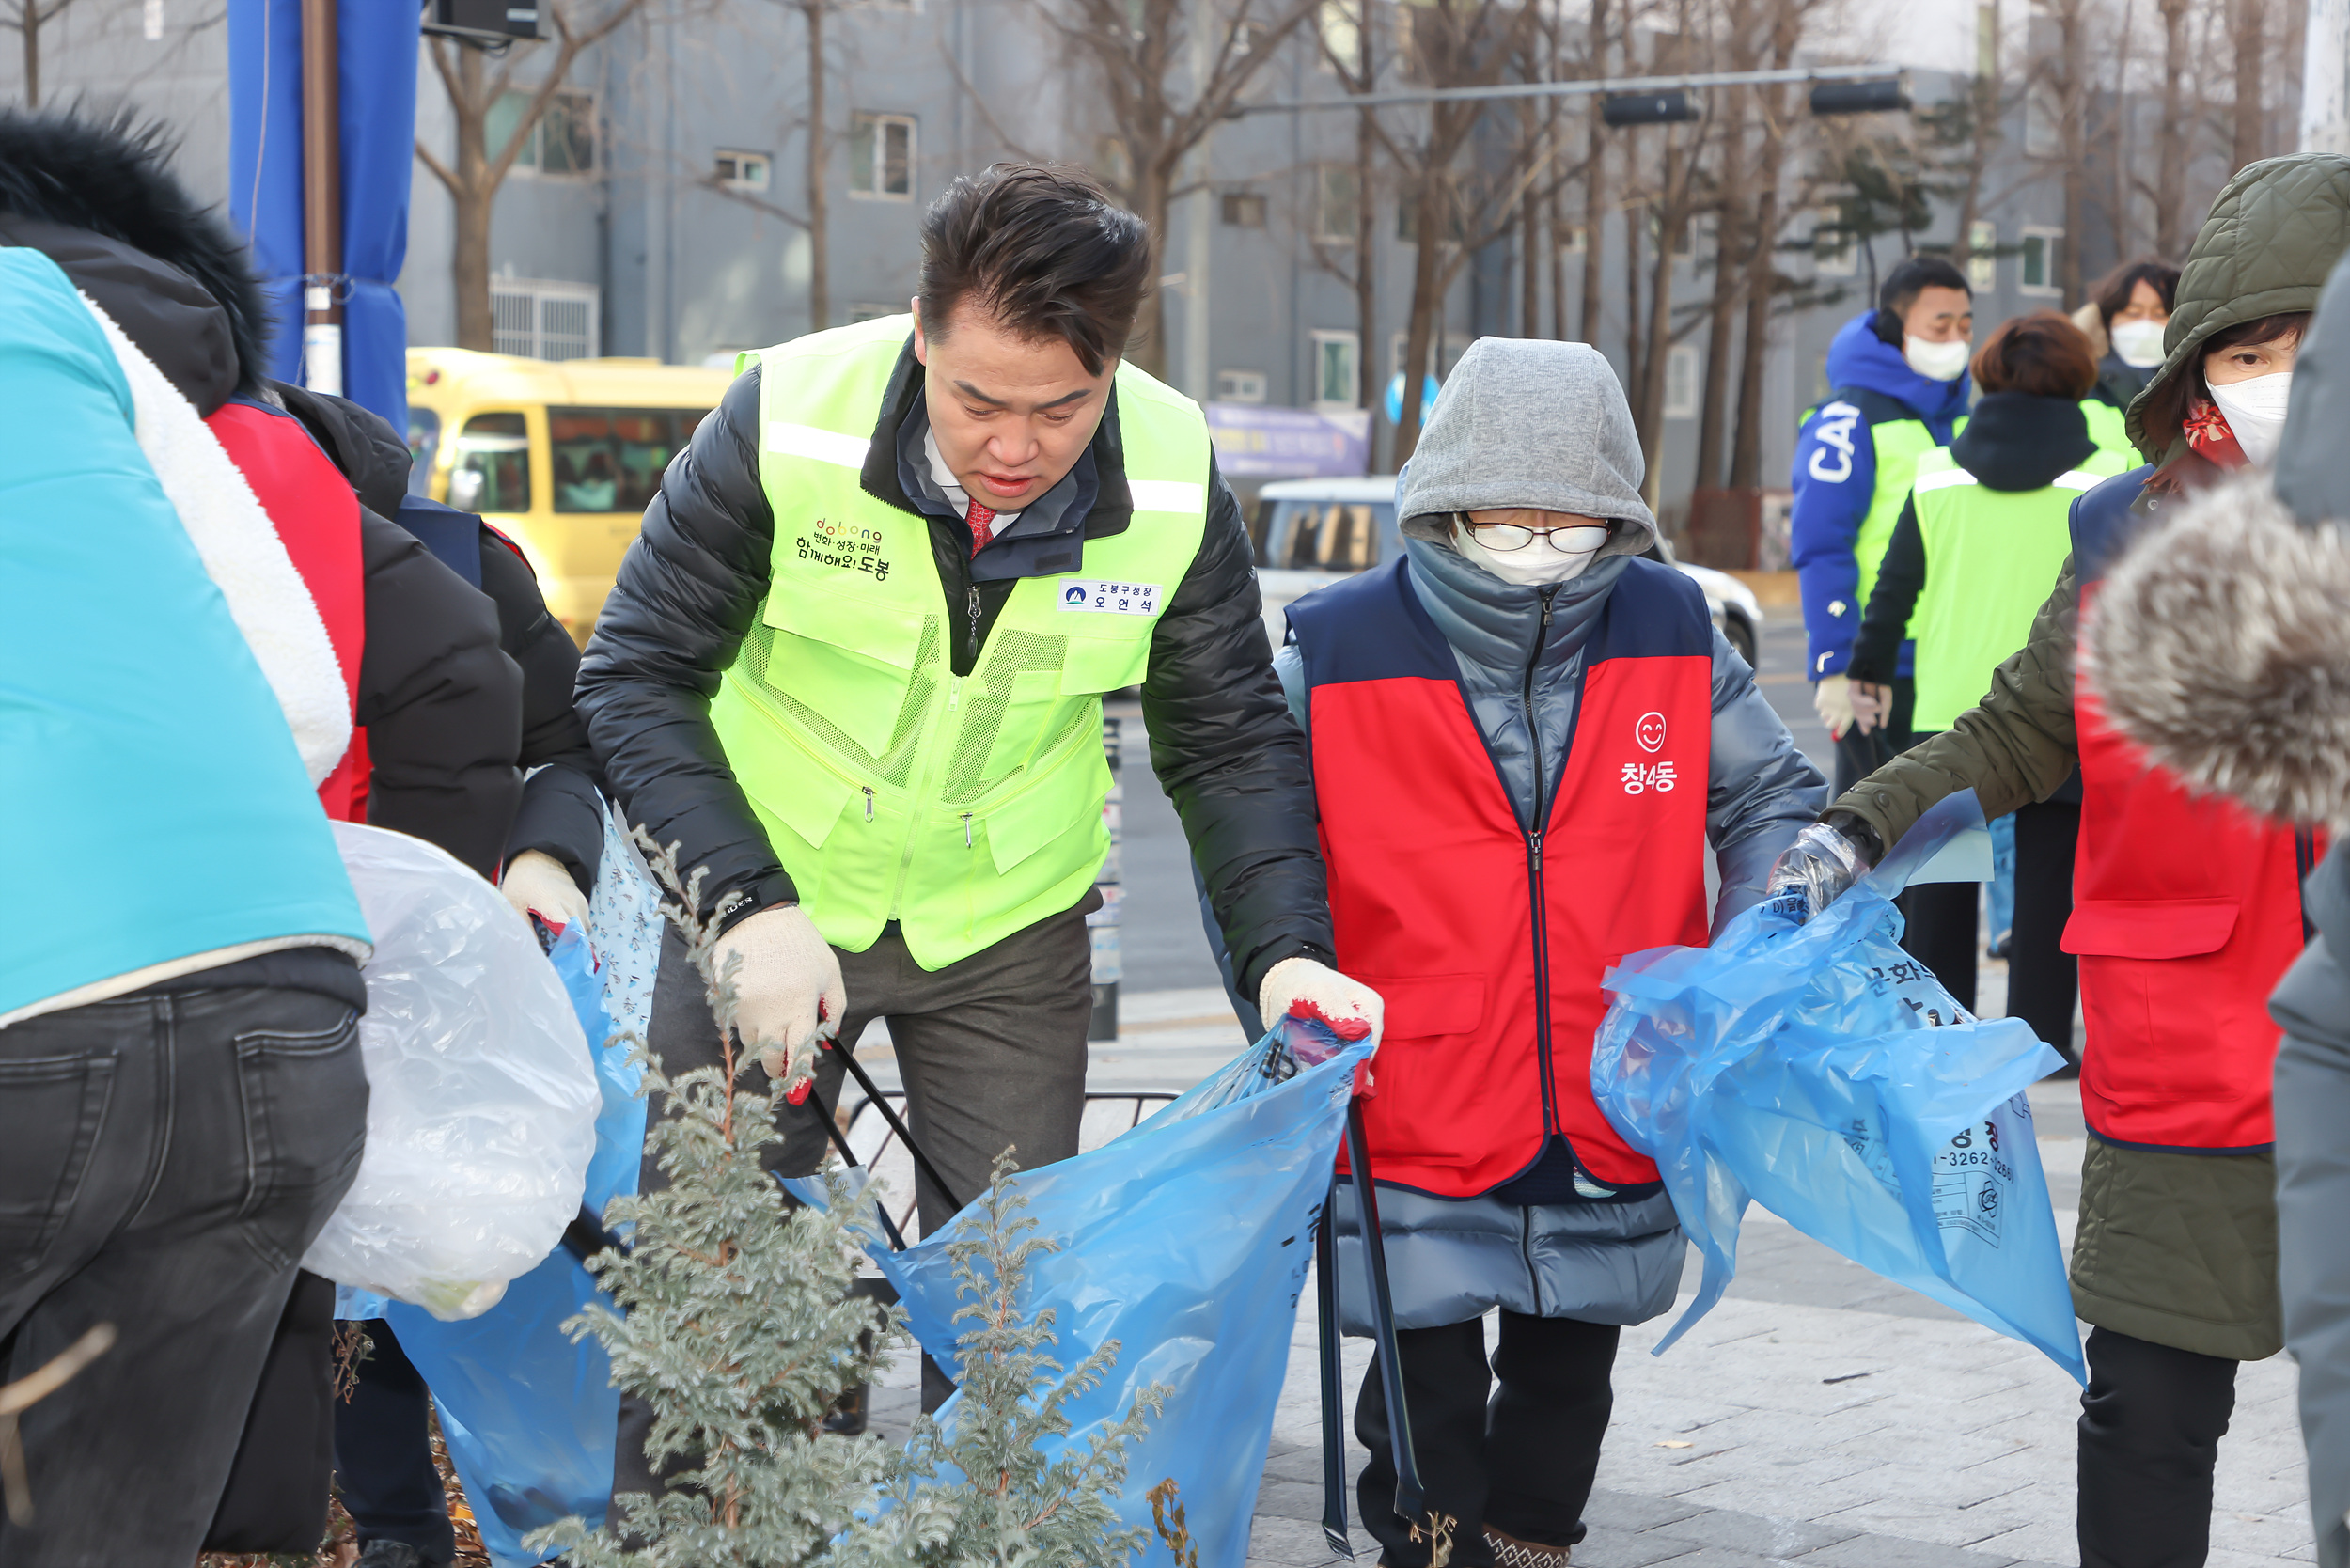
440, 702
561, 814
1221, 739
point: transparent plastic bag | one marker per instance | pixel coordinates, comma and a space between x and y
483, 1099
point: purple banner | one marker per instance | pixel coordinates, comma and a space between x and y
1255, 441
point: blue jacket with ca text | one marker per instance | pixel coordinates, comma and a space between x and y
1835, 477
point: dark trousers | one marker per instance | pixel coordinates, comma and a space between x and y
1940, 932
2152, 1418
164, 1161
2043, 979
991, 1051
383, 1453
1521, 1460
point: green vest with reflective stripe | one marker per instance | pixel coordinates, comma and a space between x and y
1992, 556
2105, 427
965, 807
1899, 443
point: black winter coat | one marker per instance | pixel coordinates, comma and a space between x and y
439, 701
560, 813
1221, 739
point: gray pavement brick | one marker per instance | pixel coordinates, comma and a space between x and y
1753, 1532
1290, 1499
1885, 1551
1631, 1513
1615, 1549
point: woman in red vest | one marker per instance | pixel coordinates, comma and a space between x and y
2187, 908
1524, 737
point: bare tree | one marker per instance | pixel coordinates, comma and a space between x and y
1159, 108
1785, 23
2248, 27
475, 173
2169, 192
27, 18
819, 150
1594, 176
1350, 51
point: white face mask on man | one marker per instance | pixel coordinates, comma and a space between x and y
2256, 413
1560, 555
1936, 361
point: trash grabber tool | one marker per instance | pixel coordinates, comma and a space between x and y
1333, 1388
1408, 1498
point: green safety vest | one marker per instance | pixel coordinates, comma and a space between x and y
1899, 439
2105, 427
963, 807
1992, 556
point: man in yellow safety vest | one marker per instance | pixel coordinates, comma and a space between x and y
854, 665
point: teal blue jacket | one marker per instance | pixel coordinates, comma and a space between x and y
154, 804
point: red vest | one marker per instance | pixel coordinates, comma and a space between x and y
1488, 943
317, 517
2187, 911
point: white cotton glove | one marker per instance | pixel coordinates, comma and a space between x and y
1831, 699
788, 993
536, 882
1813, 871
1315, 992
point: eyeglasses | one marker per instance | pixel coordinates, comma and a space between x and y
1578, 539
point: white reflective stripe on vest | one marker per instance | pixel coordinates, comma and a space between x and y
818, 445
1165, 495
1942, 481
2075, 479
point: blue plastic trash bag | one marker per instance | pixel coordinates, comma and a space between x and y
1823, 1071
529, 1415
1187, 1240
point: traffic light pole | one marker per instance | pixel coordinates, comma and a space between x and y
1887, 75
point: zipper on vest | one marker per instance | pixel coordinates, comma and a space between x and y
966, 830
1534, 883
971, 645
869, 802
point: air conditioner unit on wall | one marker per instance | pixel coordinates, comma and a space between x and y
482, 20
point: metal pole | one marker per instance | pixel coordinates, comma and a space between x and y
321, 200
1565, 89
1102, 925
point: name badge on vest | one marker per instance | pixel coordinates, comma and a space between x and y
1096, 598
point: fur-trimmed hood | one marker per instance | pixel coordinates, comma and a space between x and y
2221, 643
112, 178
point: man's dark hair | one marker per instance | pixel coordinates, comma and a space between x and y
1905, 283
1042, 252
2113, 290
2042, 355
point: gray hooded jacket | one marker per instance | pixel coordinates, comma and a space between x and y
1526, 423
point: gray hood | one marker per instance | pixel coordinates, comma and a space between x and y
1526, 422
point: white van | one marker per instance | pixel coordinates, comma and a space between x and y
1314, 530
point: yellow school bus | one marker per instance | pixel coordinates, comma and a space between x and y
562, 456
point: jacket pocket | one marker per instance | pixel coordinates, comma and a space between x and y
55, 1106
1431, 1006
847, 659
2150, 928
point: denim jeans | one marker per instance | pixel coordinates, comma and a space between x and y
165, 1159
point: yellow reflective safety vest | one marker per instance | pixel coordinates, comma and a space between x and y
1992, 558
963, 807
2107, 430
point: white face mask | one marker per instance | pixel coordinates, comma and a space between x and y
2138, 343
2256, 411
1535, 566
1936, 361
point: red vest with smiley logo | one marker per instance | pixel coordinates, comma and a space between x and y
1487, 941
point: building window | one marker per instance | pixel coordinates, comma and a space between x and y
1240, 386
563, 141
1244, 209
1680, 382
1576, 240
1337, 204
881, 157
1833, 254
2039, 261
1340, 28
543, 321
1983, 255
1336, 382
611, 458
743, 171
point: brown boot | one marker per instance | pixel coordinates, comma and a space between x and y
1510, 1552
